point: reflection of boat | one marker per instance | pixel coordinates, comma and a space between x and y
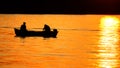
27, 33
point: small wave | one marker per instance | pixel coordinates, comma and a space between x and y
8, 27
92, 30
81, 29
5, 27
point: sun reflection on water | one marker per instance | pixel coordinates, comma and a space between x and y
108, 42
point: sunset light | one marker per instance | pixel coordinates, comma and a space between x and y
59, 41
108, 21
108, 42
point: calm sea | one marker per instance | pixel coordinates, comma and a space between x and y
83, 41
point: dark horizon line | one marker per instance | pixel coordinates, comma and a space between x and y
67, 13
60, 7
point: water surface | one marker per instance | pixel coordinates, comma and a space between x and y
82, 42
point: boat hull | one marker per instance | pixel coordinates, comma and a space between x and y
20, 33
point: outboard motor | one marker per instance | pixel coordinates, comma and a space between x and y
55, 32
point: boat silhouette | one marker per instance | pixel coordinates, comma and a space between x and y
29, 33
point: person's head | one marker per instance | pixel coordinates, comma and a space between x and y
24, 23
45, 24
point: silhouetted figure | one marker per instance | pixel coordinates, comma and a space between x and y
23, 28
46, 30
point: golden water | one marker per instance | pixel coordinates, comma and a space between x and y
82, 42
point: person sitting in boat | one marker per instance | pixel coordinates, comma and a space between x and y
46, 28
23, 27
